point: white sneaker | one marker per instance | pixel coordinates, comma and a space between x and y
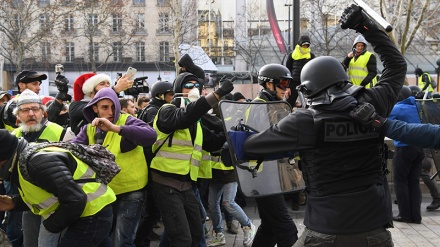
217, 240
249, 234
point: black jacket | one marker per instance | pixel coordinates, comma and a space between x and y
342, 209
77, 119
52, 171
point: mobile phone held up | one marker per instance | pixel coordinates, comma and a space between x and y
131, 72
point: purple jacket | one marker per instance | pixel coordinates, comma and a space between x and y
135, 131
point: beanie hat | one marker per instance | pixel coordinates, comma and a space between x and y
190, 78
28, 96
93, 81
78, 84
304, 40
238, 96
8, 143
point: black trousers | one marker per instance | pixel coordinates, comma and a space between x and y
277, 227
407, 166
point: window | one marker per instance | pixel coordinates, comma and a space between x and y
140, 51
140, 22
164, 55
93, 20
94, 51
68, 23
44, 21
164, 20
70, 51
42, 3
45, 50
117, 52
117, 23
138, 2
17, 22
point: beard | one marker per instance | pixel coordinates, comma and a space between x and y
33, 128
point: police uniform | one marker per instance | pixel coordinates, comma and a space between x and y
343, 163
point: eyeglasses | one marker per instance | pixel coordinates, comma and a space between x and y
190, 85
283, 83
27, 110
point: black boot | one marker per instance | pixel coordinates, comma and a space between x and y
434, 205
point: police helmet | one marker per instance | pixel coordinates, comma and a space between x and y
405, 92
319, 74
414, 90
161, 87
273, 73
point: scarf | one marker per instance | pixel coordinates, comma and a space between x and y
301, 53
95, 156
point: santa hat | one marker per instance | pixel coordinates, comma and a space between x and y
93, 81
28, 96
78, 84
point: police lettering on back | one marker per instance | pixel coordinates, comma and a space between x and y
347, 130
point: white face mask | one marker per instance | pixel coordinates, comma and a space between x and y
194, 94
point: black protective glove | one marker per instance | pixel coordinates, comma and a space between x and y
63, 96
61, 82
365, 114
354, 18
226, 87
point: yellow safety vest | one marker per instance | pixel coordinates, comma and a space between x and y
182, 157
51, 133
430, 89
134, 173
44, 203
357, 70
205, 170
218, 164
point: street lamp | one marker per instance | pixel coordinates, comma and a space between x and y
288, 25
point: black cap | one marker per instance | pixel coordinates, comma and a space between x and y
27, 76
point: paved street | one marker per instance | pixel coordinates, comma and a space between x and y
404, 235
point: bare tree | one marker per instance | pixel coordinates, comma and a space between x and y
409, 18
108, 29
183, 22
26, 26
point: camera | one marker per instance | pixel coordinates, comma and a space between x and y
59, 68
118, 75
140, 85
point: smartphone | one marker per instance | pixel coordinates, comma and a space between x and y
131, 72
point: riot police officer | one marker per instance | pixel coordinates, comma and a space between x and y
343, 163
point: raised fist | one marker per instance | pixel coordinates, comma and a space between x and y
61, 82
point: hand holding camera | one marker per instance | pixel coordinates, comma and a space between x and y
62, 83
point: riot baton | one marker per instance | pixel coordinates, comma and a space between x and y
433, 176
374, 15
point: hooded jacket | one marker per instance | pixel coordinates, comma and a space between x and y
371, 64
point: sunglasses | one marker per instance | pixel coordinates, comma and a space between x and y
190, 85
283, 83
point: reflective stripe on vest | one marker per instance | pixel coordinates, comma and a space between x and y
51, 133
357, 69
134, 173
182, 156
421, 82
205, 170
44, 203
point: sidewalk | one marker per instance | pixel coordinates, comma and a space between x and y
426, 234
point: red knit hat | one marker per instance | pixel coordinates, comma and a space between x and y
78, 84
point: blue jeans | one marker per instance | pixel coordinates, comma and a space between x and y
90, 231
35, 234
13, 226
126, 216
228, 191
